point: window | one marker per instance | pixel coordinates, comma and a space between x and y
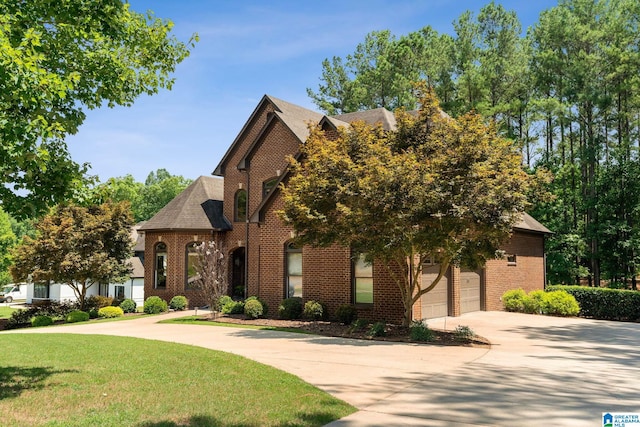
41, 290
103, 289
119, 292
191, 261
511, 259
160, 273
362, 280
294, 271
240, 214
268, 185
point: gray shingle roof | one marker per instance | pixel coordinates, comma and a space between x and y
372, 117
137, 269
193, 209
529, 223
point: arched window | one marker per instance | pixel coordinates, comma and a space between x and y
240, 214
294, 271
362, 280
160, 272
191, 262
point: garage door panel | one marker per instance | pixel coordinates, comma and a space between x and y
469, 291
434, 303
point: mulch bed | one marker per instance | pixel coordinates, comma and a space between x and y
394, 333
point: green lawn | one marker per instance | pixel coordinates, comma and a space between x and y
87, 380
5, 312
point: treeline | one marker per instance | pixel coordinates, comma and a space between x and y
567, 91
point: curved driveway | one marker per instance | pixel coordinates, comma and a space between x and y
539, 371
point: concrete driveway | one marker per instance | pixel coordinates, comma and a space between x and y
539, 371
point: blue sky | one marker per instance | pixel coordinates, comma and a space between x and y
246, 49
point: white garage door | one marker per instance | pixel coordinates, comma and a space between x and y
469, 291
435, 303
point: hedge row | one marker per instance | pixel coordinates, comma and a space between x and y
604, 303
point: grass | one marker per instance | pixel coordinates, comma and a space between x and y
199, 320
56, 380
5, 312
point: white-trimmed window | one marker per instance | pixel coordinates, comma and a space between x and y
294, 271
160, 270
362, 280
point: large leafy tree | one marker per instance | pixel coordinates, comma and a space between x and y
436, 188
146, 198
78, 246
58, 59
7, 241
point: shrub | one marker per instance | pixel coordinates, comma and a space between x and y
560, 303
222, 301
128, 306
253, 308
378, 329
110, 312
42, 320
155, 305
93, 313
77, 316
265, 307
419, 331
97, 302
346, 314
534, 302
233, 307
463, 333
513, 300
22, 318
313, 310
603, 303
179, 303
358, 325
290, 308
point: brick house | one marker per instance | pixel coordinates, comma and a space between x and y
264, 262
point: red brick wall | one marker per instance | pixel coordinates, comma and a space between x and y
176, 264
527, 273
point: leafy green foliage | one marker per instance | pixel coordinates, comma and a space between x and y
419, 331
155, 305
98, 301
513, 300
313, 310
378, 329
290, 308
78, 246
110, 312
77, 316
604, 303
41, 320
7, 241
233, 307
253, 309
346, 314
560, 303
435, 188
463, 333
179, 302
128, 306
265, 306
60, 59
22, 318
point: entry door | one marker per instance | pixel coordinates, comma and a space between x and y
469, 291
434, 303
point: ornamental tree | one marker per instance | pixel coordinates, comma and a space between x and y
78, 246
58, 59
434, 188
210, 270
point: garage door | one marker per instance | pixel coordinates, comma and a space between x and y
435, 303
469, 291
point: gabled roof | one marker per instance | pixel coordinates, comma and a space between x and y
137, 238
529, 223
372, 117
137, 269
198, 207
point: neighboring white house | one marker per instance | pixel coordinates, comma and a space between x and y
132, 288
